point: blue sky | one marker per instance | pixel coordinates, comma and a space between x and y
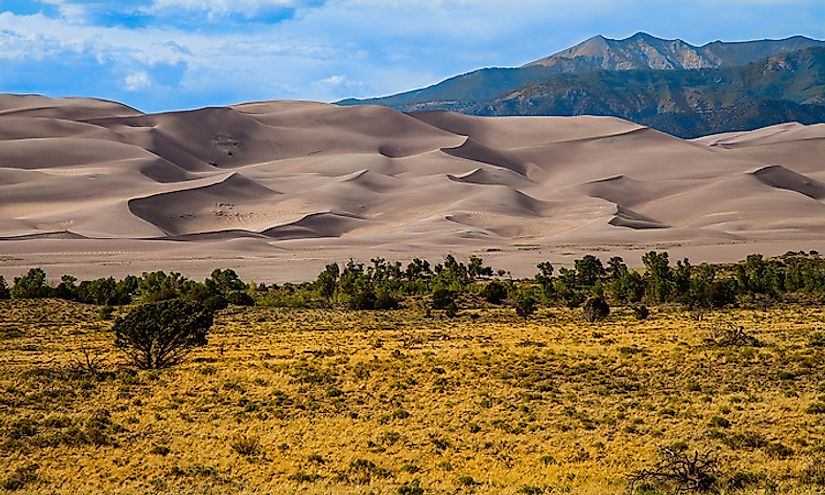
175, 54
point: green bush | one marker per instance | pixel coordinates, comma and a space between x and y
596, 309
159, 335
524, 304
31, 285
240, 299
494, 292
443, 298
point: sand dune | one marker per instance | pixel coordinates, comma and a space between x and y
287, 179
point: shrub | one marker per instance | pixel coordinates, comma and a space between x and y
524, 304
494, 292
106, 312
215, 303
679, 472
385, 301
159, 335
31, 285
411, 488
596, 309
240, 299
442, 298
732, 335
641, 312
4, 289
466, 481
246, 445
364, 299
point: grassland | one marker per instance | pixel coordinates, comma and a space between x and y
311, 401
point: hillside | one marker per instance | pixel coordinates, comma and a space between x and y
670, 85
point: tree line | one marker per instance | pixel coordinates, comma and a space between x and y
175, 313
385, 285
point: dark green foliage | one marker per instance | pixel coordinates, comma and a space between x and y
659, 285
159, 335
327, 281
589, 270
545, 279
411, 488
215, 302
364, 299
240, 299
708, 291
476, 268
494, 292
442, 298
106, 291
106, 312
31, 285
385, 301
225, 282
4, 289
756, 275
158, 286
641, 312
596, 309
524, 303
624, 286
451, 275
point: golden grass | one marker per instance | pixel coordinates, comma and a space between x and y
288, 401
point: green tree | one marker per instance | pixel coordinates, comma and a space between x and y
67, 288
224, 282
158, 286
159, 335
589, 270
658, 277
756, 275
327, 281
476, 268
31, 285
545, 279
4, 289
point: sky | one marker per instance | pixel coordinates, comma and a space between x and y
159, 55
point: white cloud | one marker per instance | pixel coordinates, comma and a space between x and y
220, 8
137, 81
335, 80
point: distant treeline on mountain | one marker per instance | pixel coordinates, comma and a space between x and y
685, 90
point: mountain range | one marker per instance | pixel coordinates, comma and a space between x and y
671, 85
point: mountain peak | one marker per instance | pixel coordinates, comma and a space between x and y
601, 53
641, 35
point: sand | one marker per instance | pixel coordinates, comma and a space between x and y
277, 189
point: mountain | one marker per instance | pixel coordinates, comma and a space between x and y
643, 51
671, 85
687, 103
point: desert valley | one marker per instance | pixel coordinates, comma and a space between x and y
600, 272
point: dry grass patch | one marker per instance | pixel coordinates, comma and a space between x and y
282, 401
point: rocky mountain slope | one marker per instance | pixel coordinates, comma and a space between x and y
671, 85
